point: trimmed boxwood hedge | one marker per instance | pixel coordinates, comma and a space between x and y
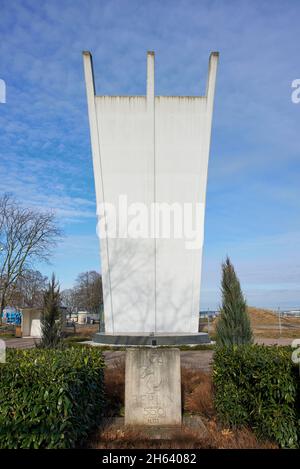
50, 398
258, 386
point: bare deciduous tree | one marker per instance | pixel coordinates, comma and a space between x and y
26, 236
88, 291
28, 290
68, 299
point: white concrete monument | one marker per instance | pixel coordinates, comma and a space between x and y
150, 158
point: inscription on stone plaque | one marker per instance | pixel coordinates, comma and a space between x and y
152, 388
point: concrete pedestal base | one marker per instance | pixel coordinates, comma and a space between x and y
152, 387
153, 340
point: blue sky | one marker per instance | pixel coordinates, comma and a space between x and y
253, 197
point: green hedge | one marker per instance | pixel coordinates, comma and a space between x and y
50, 398
258, 386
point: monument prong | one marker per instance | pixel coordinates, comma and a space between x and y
90, 93
89, 71
99, 183
209, 95
211, 79
150, 76
151, 163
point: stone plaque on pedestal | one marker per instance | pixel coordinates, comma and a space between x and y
152, 387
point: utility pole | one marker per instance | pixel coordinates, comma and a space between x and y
208, 321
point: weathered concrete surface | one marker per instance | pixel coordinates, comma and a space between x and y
152, 387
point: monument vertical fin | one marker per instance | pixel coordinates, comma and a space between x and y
150, 77
211, 85
206, 135
152, 174
99, 183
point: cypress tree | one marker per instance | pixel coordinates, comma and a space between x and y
51, 322
233, 326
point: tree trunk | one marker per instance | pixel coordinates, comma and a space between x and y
2, 306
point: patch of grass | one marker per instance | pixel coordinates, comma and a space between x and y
75, 338
7, 336
7, 331
195, 347
108, 348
